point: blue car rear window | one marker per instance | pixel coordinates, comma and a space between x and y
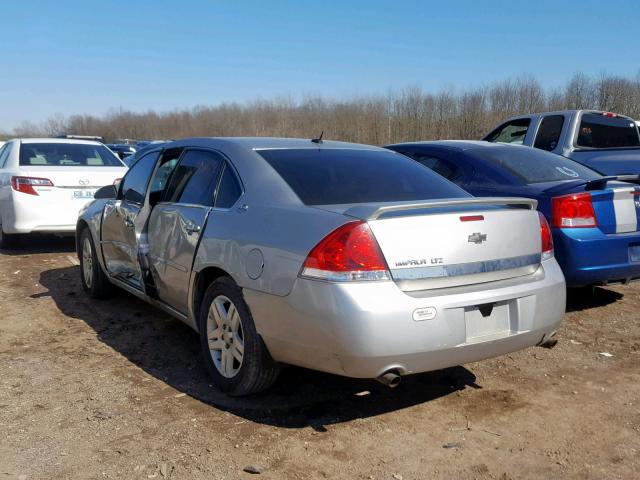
532, 165
325, 176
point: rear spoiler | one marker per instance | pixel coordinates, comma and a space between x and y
373, 212
597, 184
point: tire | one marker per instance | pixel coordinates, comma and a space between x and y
94, 282
8, 241
235, 371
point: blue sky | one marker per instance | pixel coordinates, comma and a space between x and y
69, 57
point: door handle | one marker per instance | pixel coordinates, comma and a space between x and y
192, 228
128, 223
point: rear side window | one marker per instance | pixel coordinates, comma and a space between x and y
600, 131
195, 178
229, 190
344, 176
134, 183
67, 155
549, 132
532, 165
447, 169
511, 132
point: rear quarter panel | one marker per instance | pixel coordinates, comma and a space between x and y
238, 241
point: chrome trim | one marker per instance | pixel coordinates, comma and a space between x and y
459, 269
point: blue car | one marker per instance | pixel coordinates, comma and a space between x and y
594, 219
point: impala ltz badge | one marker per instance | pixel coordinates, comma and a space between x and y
477, 237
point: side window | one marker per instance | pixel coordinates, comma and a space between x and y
549, 132
229, 190
160, 180
195, 178
5, 151
447, 169
510, 132
134, 183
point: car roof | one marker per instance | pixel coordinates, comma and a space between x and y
263, 143
458, 145
57, 140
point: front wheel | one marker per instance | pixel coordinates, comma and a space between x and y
94, 282
233, 352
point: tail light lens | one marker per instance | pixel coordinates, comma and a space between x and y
349, 253
573, 211
26, 184
546, 238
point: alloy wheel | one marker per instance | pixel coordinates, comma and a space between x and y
225, 336
87, 262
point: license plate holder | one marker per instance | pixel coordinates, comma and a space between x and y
83, 194
487, 322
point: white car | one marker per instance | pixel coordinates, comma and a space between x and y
44, 182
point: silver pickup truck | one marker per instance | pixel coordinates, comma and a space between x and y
604, 141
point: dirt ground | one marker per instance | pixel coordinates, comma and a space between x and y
115, 389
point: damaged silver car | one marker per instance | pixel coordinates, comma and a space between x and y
338, 257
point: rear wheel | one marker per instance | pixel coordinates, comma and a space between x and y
233, 352
8, 241
94, 282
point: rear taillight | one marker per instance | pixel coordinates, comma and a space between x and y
573, 211
27, 184
546, 238
349, 253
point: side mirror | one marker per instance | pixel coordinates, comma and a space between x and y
108, 192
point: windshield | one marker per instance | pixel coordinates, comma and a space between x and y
344, 176
600, 131
67, 155
532, 165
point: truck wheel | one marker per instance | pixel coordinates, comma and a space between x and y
233, 352
94, 282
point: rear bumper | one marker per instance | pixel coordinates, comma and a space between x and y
589, 257
365, 329
24, 213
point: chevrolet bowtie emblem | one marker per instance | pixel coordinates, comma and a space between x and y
477, 237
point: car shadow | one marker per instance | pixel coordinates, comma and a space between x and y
579, 299
31, 244
169, 350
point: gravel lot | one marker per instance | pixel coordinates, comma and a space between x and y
115, 389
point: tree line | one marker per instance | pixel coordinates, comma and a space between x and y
399, 115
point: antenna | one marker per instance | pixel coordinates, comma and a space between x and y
319, 139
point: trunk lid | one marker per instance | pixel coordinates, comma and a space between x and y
617, 208
456, 242
72, 187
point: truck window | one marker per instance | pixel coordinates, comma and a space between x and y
549, 132
510, 132
598, 130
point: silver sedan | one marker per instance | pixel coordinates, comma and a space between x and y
344, 258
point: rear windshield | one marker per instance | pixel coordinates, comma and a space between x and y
67, 155
599, 131
532, 165
343, 176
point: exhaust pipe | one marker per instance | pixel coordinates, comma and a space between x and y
391, 379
